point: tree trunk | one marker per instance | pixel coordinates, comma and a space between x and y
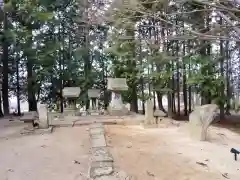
1, 111
31, 87
222, 90
18, 85
228, 73
184, 84
5, 68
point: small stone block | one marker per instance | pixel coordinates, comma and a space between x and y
101, 154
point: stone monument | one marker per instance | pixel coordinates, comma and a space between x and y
149, 115
200, 119
94, 94
71, 94
116, 106
42, 116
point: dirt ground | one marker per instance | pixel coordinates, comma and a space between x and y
62, 155
170, 153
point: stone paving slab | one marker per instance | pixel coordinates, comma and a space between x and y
120, 175
101, 155
98, 141
98, 169
96, 125
96, 131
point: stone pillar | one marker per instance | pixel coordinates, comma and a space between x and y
149, 115
90, 104
97, 105
43, 116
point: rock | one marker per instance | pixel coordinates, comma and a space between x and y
200, 119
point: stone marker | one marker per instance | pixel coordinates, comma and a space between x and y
149, 118
200, 119
43, 116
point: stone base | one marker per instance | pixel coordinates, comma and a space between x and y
196, 132
118, 112
29, 131
83, 113
149, 126
69, 112
94, 113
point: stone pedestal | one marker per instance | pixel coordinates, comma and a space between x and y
116, 106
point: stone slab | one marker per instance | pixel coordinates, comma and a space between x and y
101, 155
149, 126
37, 131
98, 169
98, 141
119, 175
96, 125
95, 131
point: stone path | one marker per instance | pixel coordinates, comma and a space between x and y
101, 161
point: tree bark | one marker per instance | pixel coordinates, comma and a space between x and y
5, 68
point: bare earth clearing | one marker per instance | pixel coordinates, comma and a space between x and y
170, 154
62, 155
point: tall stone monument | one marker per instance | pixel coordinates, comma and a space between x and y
200, 119
94, 94
42, 116
116, 106
149, 121
71, 94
